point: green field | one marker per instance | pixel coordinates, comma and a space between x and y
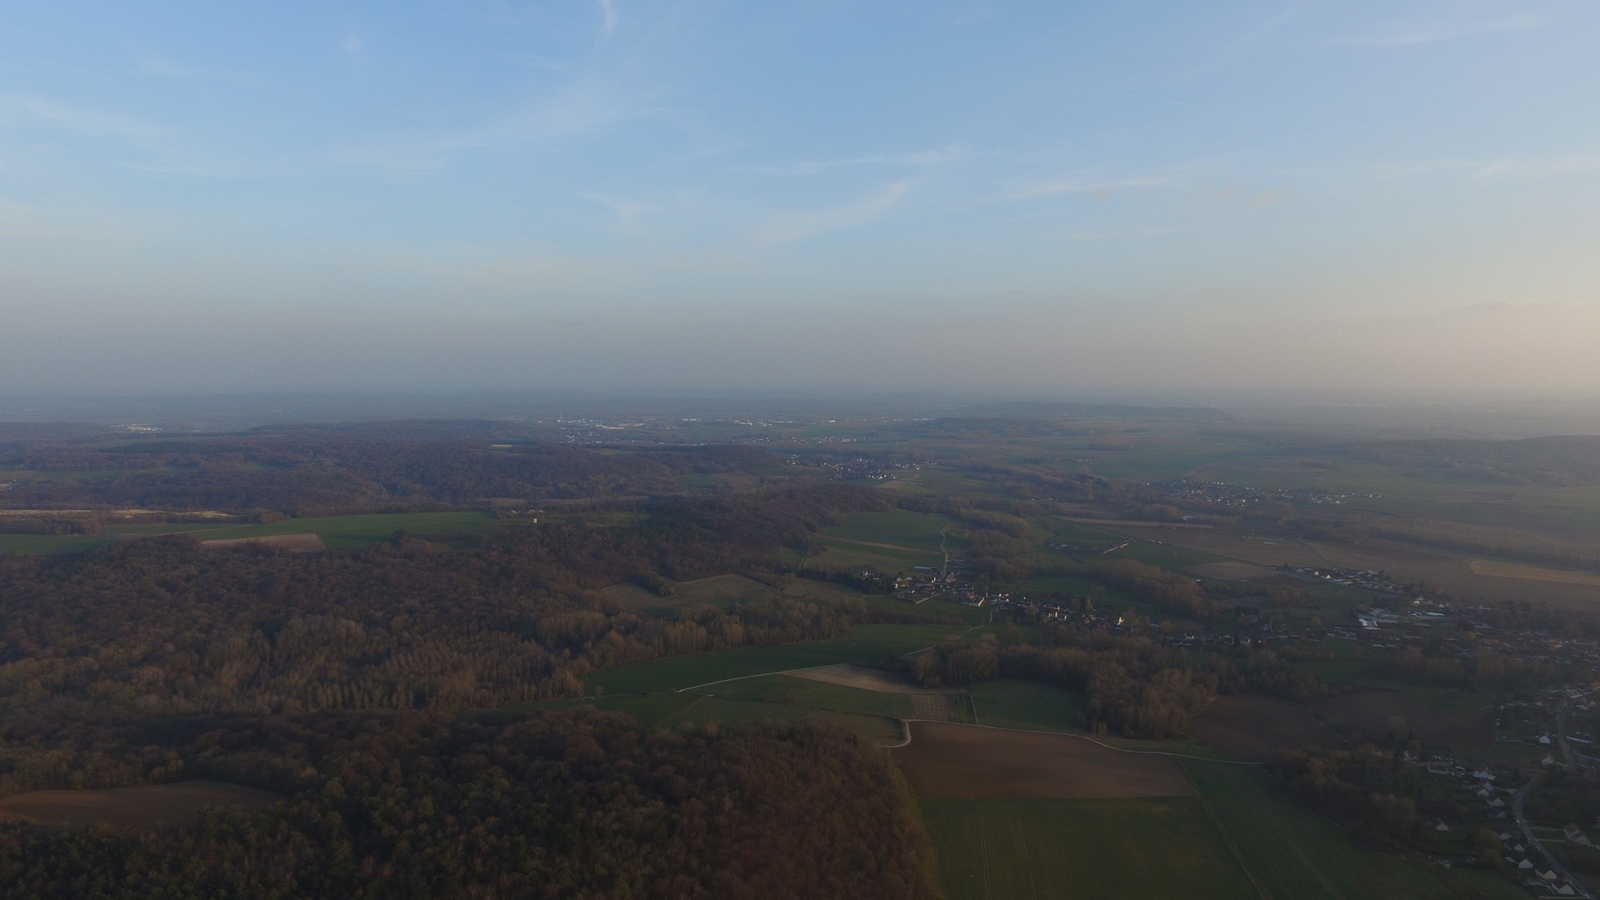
896, 541
862, 642
844, 556
819, 695
1092, 849
900, 527
1296, 855
1027, 705
338, 532
1167, 556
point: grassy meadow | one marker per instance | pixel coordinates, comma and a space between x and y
1091, 849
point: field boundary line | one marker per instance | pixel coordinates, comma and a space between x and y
1081, 737
1222, 832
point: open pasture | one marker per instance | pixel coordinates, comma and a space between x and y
1438, 717
860, 643
1081, 850
140, 807
1294, 854
963, 761
1254, 726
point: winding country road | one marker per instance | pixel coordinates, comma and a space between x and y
1522, 794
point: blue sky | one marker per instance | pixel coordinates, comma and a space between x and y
631, 195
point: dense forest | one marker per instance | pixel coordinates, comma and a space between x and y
164, 625
298, 472
574, 804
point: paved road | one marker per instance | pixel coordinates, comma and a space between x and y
1522, 821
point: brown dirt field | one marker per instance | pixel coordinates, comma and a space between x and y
1495, 568
1462, 729
1254, 726
866, 679
140, 807
1450, 570
298, 543
969, 762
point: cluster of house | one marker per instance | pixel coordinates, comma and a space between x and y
1365, 579
1219, 493
1540, 875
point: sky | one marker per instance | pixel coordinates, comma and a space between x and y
1041, 198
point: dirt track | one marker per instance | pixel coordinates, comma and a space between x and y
965, 761
300, 543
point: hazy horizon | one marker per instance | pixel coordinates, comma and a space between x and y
1006, 199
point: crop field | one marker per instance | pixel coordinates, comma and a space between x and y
1007, 703
140, 807
1042, 849
1254, 726
1294, 854
1496, 568
949, 760
860, 643
1439, 717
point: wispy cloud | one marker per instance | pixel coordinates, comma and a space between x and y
1530, 168
626, 212
817, 167
1115, 235
1099, 187
608, 13
22, 109
579, 109
792, 228
1408, 35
